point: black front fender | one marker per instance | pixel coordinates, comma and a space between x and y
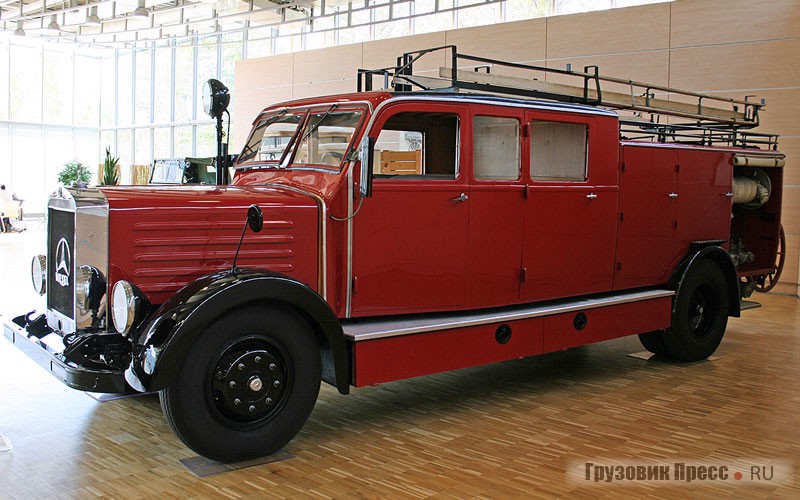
169, 333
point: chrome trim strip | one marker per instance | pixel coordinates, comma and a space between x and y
380, 328
349, 272
323, 283
501, 101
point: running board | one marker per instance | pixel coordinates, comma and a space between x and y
358, 330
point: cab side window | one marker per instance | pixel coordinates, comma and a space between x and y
558, 151
495, 148
420, 145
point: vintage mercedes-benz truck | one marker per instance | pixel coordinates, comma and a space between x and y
450, 221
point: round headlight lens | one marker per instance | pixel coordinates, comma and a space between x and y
123, 306
39, 274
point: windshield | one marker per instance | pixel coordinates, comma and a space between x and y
271, 137
322, 140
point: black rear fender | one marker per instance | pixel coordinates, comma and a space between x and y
722, 258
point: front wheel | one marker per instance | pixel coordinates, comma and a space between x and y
246, 386
700, 313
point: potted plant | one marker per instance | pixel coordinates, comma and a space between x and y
74, 172
110, 175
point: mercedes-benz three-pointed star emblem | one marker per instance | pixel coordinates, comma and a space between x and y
63, 264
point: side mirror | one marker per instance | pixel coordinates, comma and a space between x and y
255, 219
365, 155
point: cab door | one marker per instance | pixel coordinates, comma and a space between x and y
496, 207
410, 237
571, 207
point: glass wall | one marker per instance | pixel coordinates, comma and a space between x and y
143, 102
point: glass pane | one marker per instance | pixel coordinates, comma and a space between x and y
143, 80
27, 167
231, 52
124, 88
106, 141
326, 138
161, 143
26, 84
558, 151
496, 148
206, 141
163, 85
270, 138
57, 91
184, 83
206, 68
108, 86
124, 152
142, 153
183, 142
59, 148
3, 82
418, 143
87, 91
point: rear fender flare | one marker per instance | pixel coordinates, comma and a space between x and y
723, 259
168, 335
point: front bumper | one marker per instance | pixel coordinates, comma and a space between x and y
44, 351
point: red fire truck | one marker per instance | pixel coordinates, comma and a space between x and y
451, 220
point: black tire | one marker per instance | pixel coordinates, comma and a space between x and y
700, 313
246, 386
654, 342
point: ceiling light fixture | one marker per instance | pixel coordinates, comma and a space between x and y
141, 11
92, 19
20, 31
53, 26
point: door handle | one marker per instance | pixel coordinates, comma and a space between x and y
591, 196
673, 195
462, 198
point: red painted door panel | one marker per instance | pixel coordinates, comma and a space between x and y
410, 237
646, 250
704, 180
495, 244
409, 249
571, 207
569, 241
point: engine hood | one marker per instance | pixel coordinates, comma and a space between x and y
162, 238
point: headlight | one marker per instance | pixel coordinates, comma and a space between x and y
128, 305
39, 274
90, 286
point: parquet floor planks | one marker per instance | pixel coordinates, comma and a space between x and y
519, 429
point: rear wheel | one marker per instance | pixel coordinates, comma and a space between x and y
700, 313
246, 386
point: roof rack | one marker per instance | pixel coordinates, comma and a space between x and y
709, 111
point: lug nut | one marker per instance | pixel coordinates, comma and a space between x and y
232, 384
268, 401
241, 366
237, 401
277, 383
272, 367
252, 408
258, 359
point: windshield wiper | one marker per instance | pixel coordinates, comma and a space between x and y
316, 125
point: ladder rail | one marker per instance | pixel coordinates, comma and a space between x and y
641, 96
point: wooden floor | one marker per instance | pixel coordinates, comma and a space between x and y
521, 429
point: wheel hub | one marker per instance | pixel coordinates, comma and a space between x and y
248, 384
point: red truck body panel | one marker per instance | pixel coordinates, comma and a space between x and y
163, 238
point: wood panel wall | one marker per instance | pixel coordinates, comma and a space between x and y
728, 47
